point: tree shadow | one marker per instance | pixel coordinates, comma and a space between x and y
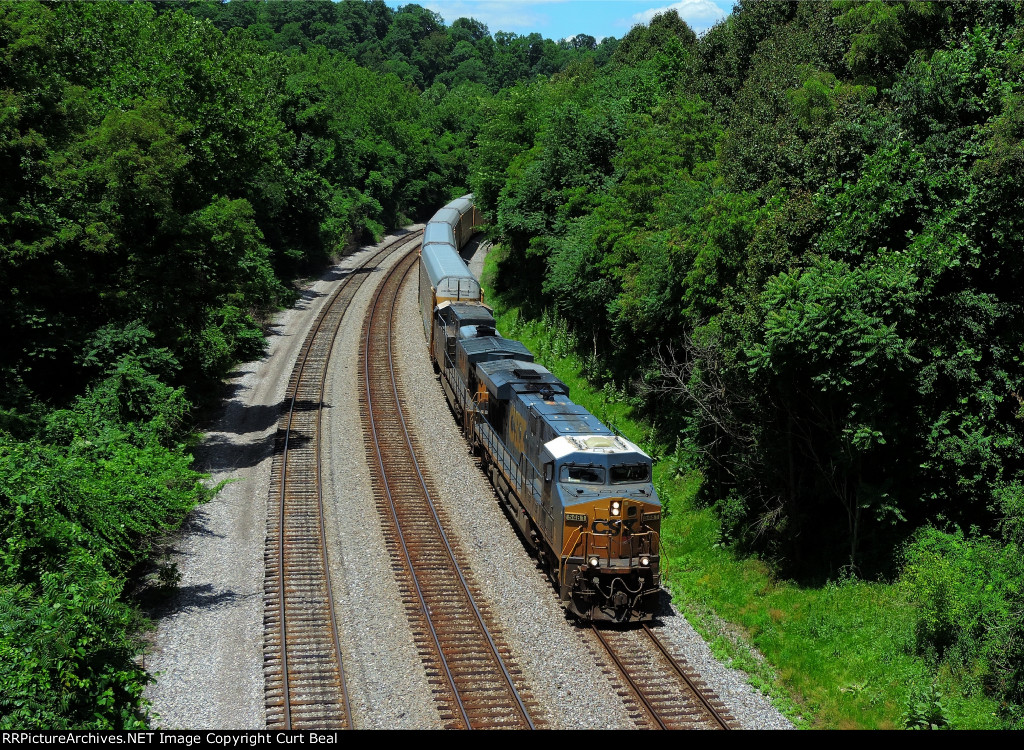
238, 372
220, 452
231, 391
159, 604
468, 250
274, 329
362, 270
195, 524
306, 298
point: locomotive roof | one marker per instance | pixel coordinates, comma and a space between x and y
502, 377
466, 313
563, 416
586, 447
496, 345
439, 231
448, 273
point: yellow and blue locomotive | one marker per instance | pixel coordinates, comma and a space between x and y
580, 494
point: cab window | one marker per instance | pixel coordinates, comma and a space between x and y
631, 473
582, 474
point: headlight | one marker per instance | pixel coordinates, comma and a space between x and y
594, 561
615, 507
645, 561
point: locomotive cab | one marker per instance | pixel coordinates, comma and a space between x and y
609, 566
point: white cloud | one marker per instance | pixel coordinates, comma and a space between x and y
701, 15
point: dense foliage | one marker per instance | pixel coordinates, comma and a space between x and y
797, 238
168, 168
794, 240
411, 42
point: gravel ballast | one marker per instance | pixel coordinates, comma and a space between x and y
549, 647
208, 645
207, 652
563, 677
387, 686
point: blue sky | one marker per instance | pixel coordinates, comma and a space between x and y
557, 19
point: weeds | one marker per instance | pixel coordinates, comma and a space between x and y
927, 710
841, 655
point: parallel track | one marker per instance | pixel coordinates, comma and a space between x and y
671, 697
304, 675
467, 665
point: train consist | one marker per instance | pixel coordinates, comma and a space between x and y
580, 494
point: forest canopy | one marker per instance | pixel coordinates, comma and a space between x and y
168, 169
793, 240
796, 241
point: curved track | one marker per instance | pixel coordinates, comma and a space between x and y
469, 667
303, 671
671, 698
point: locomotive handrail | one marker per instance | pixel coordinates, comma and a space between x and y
567, 548
577, 535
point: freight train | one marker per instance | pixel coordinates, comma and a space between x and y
580, 494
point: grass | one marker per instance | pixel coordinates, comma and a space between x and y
840, 656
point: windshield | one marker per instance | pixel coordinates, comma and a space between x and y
631, 473
583, 474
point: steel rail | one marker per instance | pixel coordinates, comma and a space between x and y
398, 526
686, 678
440, 527
297, 378
323, 524
629, 678
405, 267
691, 697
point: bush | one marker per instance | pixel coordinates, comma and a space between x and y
970, 594
926, 710
67, 659
80, 514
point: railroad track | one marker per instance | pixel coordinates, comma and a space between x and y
666, 694
468, 664
302, 658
